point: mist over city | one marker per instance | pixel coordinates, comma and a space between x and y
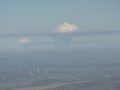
59, 45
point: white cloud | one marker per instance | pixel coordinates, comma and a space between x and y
23, 40
65, 27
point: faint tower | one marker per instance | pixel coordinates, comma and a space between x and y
46, 71
38, 70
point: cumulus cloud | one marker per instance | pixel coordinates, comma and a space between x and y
66, 27
23, 40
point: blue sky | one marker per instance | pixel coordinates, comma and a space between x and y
35, 16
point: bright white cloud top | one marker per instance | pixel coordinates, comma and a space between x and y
66, 27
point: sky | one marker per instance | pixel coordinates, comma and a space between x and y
37, 16
44, 16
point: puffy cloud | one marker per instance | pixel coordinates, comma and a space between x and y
23, 40
65, 27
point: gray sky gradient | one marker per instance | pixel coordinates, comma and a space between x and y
37, 16
33, 16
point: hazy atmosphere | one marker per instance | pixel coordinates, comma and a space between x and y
59, 45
